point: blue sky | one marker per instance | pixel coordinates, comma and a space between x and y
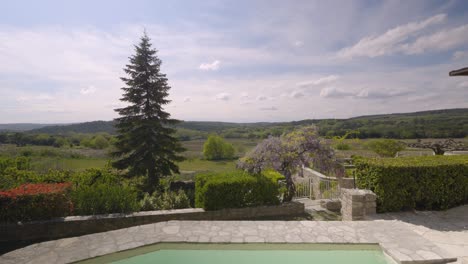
238, 61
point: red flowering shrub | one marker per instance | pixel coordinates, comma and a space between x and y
39, 201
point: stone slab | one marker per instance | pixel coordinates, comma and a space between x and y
395, 238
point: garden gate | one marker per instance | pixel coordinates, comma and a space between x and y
304, 189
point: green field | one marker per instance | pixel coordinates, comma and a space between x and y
44, 158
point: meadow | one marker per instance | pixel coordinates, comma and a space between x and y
79, 158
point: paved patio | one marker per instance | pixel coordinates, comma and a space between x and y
395, 237
447, 229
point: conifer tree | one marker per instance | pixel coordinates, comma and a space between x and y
145, 143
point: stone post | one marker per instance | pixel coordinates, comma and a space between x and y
357, 204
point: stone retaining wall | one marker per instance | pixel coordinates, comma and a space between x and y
81, 225
357, 204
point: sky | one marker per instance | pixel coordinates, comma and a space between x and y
234, 61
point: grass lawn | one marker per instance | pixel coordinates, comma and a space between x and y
46, 163
199, 165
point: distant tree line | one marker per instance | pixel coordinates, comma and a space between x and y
452, 123
96, 141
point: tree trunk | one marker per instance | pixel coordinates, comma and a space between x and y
291, 188
153, 180
438, 150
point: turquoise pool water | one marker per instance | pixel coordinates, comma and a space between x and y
248, 254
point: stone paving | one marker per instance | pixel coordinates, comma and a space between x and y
395, 237
447, 229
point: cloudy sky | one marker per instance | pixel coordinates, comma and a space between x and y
238, 61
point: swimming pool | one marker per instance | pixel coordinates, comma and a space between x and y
199, 253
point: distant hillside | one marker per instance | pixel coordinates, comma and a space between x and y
20, 127
425, 124
87, 127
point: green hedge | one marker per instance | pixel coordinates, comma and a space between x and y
214, 191
104, 199
424, 183
31, 202
100, 191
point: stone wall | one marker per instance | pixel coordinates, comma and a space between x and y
357, 204
82, 225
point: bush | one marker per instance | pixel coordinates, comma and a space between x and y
30, 202
235, 190
342, 146
216, 148
386, 147
165, 201
100, 142
427, 183
104, 199
102, 192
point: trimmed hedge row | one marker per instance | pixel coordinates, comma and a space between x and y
425, 183
31, 202
93, 191
214, 191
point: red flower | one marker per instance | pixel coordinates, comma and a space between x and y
35, 189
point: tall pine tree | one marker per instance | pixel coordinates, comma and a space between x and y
145, 142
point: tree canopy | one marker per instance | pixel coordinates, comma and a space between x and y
217, 148
145, 142
289, 152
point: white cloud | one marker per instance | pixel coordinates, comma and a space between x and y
223, 96
333, 92
214, 66
389, 42
442, 40
320, 81
39, 97
463, 85
22, 99
458, 55
261, 98
244, 95
187, 99
44, 97
297, 94
87, 91
298, 43
270, 108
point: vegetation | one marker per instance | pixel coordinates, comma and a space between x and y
216, 148
94, 191
339, 141
214, 191
440, 147
165, 201
428, 183
386, 147
145, 143
30, 202
448, 123
289, 152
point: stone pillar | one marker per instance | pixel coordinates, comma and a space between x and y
357, 204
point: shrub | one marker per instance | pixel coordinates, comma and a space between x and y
104, 199
235, 190
386, 147
100, 142
101, 192
342, 146
165, 201
216, 148
428, 182
30, 202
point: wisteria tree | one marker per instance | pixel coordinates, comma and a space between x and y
289, 152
